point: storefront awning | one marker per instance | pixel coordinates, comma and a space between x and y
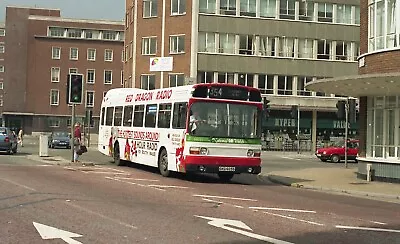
359, 85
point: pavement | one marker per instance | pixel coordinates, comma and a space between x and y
334, 179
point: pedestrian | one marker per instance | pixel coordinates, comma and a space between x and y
77, 141
21, 137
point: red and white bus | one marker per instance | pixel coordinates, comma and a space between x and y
207, 128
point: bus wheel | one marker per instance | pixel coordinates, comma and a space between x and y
117, 156
163, 163
225, 176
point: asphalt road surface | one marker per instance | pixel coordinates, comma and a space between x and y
44, 203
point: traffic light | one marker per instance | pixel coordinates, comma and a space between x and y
352, 110
341, 109
75, 88
293, 111
266, 108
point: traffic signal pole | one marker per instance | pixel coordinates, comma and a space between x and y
298, 129
346, 132
73, 132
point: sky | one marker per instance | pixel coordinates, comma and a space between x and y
80, 9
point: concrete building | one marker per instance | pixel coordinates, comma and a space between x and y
41, 49
2, 51
277, 46
378, 87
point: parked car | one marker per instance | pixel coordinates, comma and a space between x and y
336, 152
60, 140
8, 141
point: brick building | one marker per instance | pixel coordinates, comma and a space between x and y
277, 46
2, 51
42, 48
378, 87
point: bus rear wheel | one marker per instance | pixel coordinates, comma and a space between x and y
163, 163
225, 176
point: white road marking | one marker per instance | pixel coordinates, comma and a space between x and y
366, 228
49, 232
126, 178
121, 171
379, 223
44, 165
167, 186
106, 172
133, 183
298, 159
18, 184
284, 209
293, 218
222, 197
218, 202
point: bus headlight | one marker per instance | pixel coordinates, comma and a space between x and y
194, 150
250, 153
203, 151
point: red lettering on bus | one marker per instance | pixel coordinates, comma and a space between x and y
129, 98
164, 94
144, 96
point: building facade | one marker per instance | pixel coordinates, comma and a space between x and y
378, 87
2, 69
277, 46
42, 48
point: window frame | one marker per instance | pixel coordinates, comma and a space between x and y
57, 101
178, 4
108, 58
87, 76
71, 57
147, 43
87, 95
54, 52
89, 58
105, 76
179, 42
57, 80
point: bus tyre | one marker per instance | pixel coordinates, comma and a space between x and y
225, 176
163, 163
116, 155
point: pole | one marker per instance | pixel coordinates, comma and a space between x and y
72, 132
298, 129
346, 132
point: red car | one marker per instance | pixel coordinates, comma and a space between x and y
335, 153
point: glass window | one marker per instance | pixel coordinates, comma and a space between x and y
91, 54
176, 80
54, 97
164, 115
287, 9
343, 50
246, 80
90, 99
306, 10
325, 12
285, 84
207, 6
205, 77
149, 45
138, 116
226, 78
73, 53
149, 8
151, 114
267, 46
266, 84
306, 48
179, 117
268, 8
177, 44
74, 33
343, 13
90, 76
247, 44
53, 31
109, 35
56, 52
178, 7
301, 82
55, 74
103, 113
108, 55
207, 42
109, 116
286, 47
227, 43
148, 82
323, 51
107, 76
248, 8
118, 116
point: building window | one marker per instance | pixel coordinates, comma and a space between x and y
109, 35
149, 45
306, 48
92, 34
2, 48
56, 32
73, 53
209, 6
1, 102
107, 76
149, 8
266, 84
205, 77
91, 54
73, 71
246, 80
286, 47
343, 50
54, 97
74, 33
177, 44
268, 8
228, 7
2, 32
287, 9
1, 68
176, 80
248, 8
55, 52
54, 122
343, 14
226, 78
227, 43
207, 42
325, 12
108, 55
148, 82
247, 44
90, 76
306, 10
55, 74
178, 7
89, 99
285, 85
267, 46
301, 82
323, 51
1, 85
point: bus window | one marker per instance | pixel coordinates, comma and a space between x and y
103, 113
164, 115
138, 116
151, 113
109, 116
179, 119
118, 116
128, 112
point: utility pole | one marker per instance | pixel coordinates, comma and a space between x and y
72, 132
346, 132
298, 129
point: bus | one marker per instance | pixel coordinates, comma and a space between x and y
206, 128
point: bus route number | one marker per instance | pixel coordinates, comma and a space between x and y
215, 92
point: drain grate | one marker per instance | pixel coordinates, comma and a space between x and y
52, 159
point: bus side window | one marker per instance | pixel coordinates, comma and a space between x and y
164, 115
151, 114
179, 119
128, 112
118, 116
109, 116
103, 115
138, 116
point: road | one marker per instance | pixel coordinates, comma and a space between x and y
44, 203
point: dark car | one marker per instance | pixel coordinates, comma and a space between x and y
59, 140
8, 141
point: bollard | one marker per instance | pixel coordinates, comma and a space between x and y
369, 172
43, 145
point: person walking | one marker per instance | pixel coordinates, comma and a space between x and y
77, 141
21, 137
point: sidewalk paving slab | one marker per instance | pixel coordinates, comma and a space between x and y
60, 161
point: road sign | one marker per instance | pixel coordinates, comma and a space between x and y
226, 223
48, 232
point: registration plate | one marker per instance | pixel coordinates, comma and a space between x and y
227, 169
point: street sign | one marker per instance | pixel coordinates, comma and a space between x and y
48, 232
227, 223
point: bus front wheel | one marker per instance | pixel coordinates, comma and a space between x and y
225, 176
163, 163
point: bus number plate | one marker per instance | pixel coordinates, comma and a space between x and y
227, 169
